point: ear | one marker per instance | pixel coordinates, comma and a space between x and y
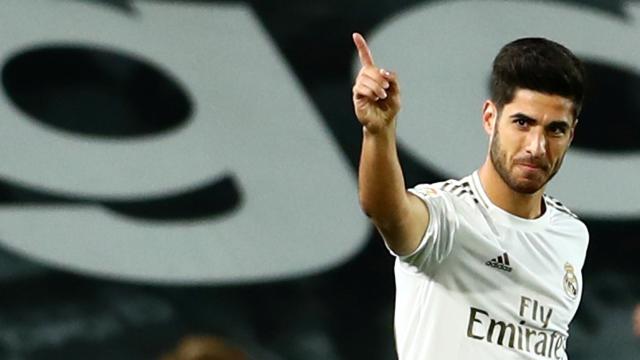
489, 116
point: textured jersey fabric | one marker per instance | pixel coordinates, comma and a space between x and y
485, 284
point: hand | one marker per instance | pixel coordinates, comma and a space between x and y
376, 94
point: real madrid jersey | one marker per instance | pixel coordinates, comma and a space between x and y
485, 284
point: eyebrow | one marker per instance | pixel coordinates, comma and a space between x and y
521, 116
558, 124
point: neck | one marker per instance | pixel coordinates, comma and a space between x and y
528, 206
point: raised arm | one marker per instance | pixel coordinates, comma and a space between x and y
401, 217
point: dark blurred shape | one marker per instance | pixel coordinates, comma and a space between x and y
205, 347
610, 119
95, 91
215, 198
218, 197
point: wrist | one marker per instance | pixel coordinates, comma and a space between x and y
383, 133
380, 129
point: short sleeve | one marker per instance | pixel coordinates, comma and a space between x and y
437, 242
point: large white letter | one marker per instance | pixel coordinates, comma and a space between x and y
299, 214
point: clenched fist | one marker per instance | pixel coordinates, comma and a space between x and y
376, 94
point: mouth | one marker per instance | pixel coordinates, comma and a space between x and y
532, 166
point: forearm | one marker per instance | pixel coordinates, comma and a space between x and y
382, 188
400, 217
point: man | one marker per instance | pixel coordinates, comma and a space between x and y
488, 266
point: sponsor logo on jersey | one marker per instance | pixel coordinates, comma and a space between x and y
516, 335
500, 263
570, 281
427, 191
529, 333
430, 192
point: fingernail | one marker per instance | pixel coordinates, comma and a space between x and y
385, 84
384, 94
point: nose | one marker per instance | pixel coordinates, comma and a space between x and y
536, 144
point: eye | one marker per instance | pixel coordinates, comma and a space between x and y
521, 122
557, 130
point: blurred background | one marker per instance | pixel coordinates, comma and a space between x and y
179, 177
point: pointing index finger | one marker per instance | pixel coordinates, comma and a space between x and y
366, 59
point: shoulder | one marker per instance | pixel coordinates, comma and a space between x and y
566, 222
562, 215
555, 205
453, 189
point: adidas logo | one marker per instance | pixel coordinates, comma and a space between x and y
501, 263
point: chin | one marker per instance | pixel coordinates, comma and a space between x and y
526, 188
527, 185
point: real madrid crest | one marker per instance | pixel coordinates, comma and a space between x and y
570, 281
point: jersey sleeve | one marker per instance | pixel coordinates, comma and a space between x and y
437, 242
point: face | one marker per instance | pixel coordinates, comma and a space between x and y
529, 138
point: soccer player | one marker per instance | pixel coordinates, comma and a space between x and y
487, 266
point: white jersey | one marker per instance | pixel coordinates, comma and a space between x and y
485, 284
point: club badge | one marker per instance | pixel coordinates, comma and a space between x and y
570, 281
